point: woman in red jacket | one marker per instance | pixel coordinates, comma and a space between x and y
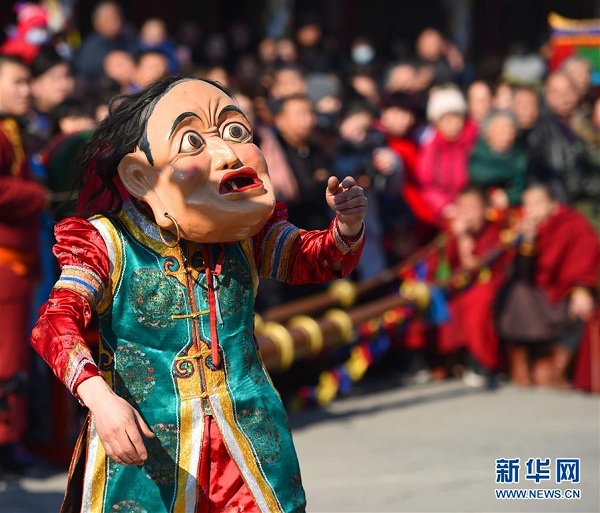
442, 168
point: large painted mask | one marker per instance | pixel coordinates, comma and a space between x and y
197, 163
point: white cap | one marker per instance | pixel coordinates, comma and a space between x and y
447, 100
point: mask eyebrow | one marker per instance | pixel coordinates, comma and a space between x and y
232, 108
179, 119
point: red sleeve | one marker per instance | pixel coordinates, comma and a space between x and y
581, 261
58, 333
295, 256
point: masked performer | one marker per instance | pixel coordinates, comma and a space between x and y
180, 401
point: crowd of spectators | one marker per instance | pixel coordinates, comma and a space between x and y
435, 149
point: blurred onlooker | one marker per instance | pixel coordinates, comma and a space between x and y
297, 167
526, 108
154, 37
102, 102
586, 124
325, 91
217, 74
498, 163
189, 36
21, 201
442, 169
443, 58
75, 119
400, 77
51, 84
241, 37
119, 66
108, 34
362, 153
404, 77
479, 100
557, 155
151, 66
313, 54
365, 86
551, 294
503, 96
301, 182
267, 52
396, 122
216, 49
288, 81
363, 57
74, 115
579, 70
473, 241
287, 53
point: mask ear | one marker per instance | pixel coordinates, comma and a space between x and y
140, 178
137, 175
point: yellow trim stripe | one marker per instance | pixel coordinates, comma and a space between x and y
191, 434
94, 480
115, 256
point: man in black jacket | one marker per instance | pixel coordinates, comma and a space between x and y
557, 155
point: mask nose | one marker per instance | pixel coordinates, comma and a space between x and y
222, 154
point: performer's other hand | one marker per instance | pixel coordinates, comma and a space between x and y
119, 425
349, 202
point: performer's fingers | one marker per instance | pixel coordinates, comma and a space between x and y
146, 431
354, 192
333, 185
348, 182
362, 210
136, 449
350, 197
127, 451
112, 454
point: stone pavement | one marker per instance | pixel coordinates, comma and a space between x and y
429, 448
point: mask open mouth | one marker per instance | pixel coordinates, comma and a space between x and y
239, 180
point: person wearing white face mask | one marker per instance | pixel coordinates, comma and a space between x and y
363, 58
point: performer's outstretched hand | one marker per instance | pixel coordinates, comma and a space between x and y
348, 201
119, 425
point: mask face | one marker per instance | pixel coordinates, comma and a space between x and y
197, 162
362, 54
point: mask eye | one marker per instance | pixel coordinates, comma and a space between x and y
190, 142
236, 132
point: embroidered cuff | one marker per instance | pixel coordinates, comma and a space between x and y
82, 281
345, 244
79, 358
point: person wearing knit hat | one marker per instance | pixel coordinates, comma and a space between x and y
445, 100
442, 168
